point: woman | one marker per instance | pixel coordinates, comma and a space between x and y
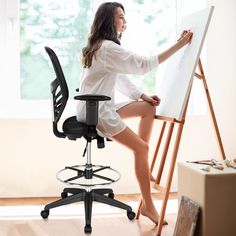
106, 64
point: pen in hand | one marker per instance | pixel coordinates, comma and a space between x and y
183, 34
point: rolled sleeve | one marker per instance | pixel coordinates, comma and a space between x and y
120, 60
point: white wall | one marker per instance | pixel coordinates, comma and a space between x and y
31, 155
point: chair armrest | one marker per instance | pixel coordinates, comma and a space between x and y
91, 97
92, 103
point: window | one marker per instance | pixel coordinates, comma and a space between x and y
64, 25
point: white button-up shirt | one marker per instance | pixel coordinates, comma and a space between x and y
108, 73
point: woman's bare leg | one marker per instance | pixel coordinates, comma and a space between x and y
139, 145
140, 149
146, 112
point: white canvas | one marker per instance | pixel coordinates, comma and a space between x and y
177, 82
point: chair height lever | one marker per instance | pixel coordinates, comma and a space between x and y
85, 149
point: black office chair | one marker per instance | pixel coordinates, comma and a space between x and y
86, 176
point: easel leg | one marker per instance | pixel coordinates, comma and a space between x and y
201, 76
169, 179
164, 154
158, 146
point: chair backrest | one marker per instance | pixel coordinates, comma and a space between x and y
59, 90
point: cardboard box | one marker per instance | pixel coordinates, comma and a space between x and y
215, 192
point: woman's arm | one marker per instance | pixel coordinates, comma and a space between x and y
119, 60
125, 85
185, 38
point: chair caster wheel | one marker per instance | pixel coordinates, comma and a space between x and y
87, 229
45, 214
111, 195
131, 215
64, 195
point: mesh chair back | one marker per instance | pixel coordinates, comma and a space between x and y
59, 91
59, 87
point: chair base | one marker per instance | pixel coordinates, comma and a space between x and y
71, 195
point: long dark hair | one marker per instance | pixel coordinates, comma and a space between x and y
103, 27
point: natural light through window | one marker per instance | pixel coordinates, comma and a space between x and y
63, 25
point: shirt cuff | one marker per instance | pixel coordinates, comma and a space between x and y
137, 94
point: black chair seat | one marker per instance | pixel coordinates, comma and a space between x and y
73, 128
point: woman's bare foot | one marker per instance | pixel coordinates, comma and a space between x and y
151, 213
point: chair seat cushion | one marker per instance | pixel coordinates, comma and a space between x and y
73, 128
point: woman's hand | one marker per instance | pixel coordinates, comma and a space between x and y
154, 100
185, 37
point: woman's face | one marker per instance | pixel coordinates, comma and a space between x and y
120, 20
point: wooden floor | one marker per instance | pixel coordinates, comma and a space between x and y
45, 200
112, 224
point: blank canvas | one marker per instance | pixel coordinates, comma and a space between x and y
178, 78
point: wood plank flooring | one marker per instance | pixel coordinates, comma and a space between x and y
102, 224
45, 200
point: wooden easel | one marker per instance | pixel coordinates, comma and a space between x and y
164, 191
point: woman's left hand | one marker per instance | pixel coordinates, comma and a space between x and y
154, 100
